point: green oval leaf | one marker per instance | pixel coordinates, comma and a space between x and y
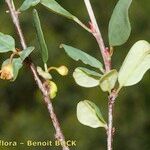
53, 6
27, 4
7, 43
108, 80
119, 25
136, 63
40, 35
25, 53
89, 114
56, 8
83, 79
77, 54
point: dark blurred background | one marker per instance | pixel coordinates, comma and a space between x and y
23, 114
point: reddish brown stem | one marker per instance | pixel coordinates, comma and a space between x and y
45, 91
110, 131
107, 62
98, 36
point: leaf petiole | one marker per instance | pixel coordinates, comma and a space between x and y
12, 56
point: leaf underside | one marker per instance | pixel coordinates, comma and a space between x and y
136, 63
85, 80
108, 80
89, 114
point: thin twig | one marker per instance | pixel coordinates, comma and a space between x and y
107, 62
110, 131
97, 34
45, 91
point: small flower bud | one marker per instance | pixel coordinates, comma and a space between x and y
53, 89
62, 70
7, 72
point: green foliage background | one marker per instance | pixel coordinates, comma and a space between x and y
23, 114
